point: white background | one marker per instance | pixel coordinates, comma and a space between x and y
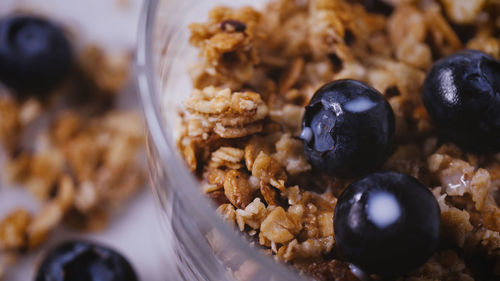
135, 232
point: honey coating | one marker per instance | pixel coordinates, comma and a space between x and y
256, 72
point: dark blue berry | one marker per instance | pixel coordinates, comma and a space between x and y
84, 261
387, 223
462, 95
35, 55
347, 128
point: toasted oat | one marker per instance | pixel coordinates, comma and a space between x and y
109, 72
333, 270
237, 189
290, 153
81, 167
228, 157
266, 167
259, 69
463, 11
278, 227
252, 215
227, 212
12, 230
10, 123
407, 23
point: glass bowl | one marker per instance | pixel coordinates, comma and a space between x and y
201, 245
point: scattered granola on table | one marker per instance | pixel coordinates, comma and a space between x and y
242, 121
78, 154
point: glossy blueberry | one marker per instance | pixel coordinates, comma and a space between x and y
347, 128
387, 223
84, 261
462, 95
35, 54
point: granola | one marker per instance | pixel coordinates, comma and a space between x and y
83, 166
257, 71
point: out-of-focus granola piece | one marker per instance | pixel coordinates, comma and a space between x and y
17, 169
93, 220
278, 227
10, 123
463, 11
487, 239
188, 151
13, 228
383, 80
86, 197
290, 36
486, 42
325, 27
444, 39
108, 71
116, 187
237, 188
414, 53
65, 195
336, 25
290, 153
455, 225
408, 79
317, 73
52, 212
45, 168
227, 212
83, 154
218, 197
65, 127
311, 248
291, 75
124, 123
29, 111
49, 217
226, 41
332, 270
352, 70
445, 265
289, 115
406, 23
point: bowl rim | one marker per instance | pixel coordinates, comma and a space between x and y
167, 148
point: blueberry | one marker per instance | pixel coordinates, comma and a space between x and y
387, 223
35, 55
462, 95
85, 261
347, 128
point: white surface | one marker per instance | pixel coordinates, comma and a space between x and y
360, 104
135, 232
383, 209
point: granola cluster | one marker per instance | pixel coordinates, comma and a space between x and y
78, 155
257, 72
